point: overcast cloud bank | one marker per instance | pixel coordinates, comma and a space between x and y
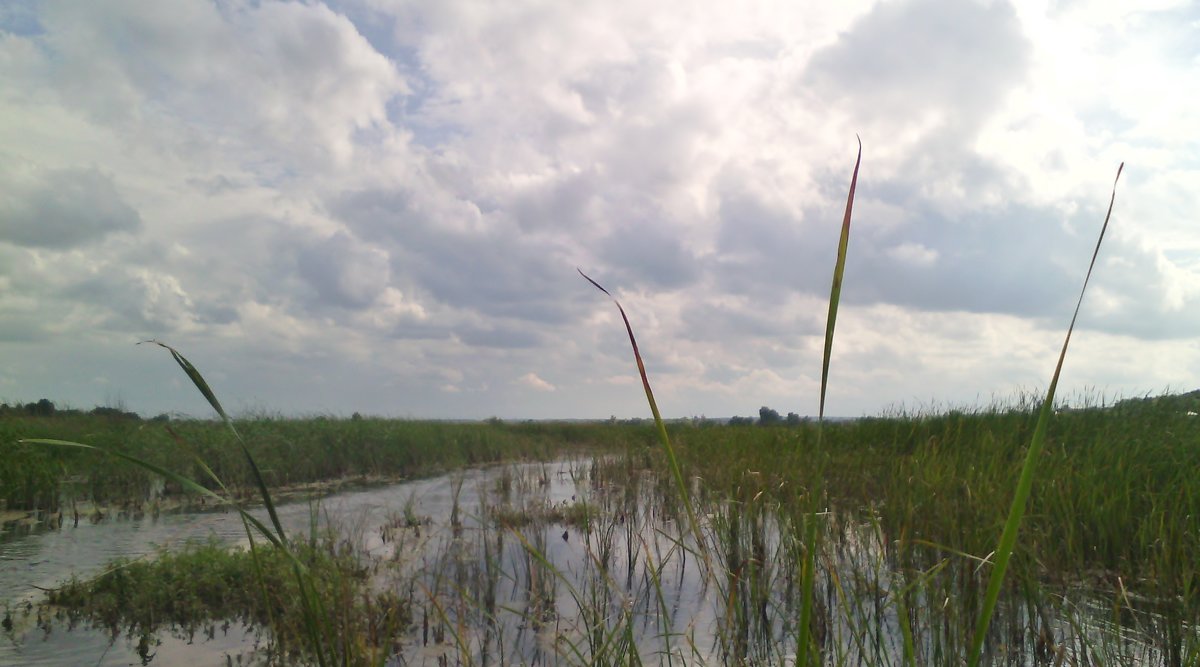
380, 206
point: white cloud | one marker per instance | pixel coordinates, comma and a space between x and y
394, 197
61, 208
532, 381
913, 253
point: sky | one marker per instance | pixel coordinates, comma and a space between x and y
380, 206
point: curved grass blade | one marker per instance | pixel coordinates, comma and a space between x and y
312, 603
1008, 539
314, 611
184, 482
197, 379
835, 292
658, 422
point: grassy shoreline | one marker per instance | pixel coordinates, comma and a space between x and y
292, 453
1113, 498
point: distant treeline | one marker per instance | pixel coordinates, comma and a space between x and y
769, 417
766, 417
46, 408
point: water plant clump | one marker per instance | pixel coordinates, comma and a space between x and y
203, 588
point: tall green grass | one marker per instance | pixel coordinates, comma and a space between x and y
291, 453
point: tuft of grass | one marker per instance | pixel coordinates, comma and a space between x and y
208, 584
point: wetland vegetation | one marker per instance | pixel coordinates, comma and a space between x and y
907, 509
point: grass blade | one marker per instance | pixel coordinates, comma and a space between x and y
810, 533
658, 422
182, 481
197, 379
1008, 539
835, 292
315, 616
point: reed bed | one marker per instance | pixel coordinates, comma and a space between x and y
290, 452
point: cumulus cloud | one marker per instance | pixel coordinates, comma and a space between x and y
62, 208
135, 299
343, 271
532, 381
913, 253
296, 75
394, 198
924, 67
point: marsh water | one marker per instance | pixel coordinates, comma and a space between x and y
32, 561
547, 563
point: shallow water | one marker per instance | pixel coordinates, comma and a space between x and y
40, 560
530, 592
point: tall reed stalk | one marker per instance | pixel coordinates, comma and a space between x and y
660, 427
1008, 539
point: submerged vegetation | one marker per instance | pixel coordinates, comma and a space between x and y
1006, 535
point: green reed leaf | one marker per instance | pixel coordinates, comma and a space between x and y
658, 421
1008, 539
835, 292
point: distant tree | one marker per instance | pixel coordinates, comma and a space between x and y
768, 417
793, 419
741, 421
43, 408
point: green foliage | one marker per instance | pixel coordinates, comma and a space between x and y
291, 452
